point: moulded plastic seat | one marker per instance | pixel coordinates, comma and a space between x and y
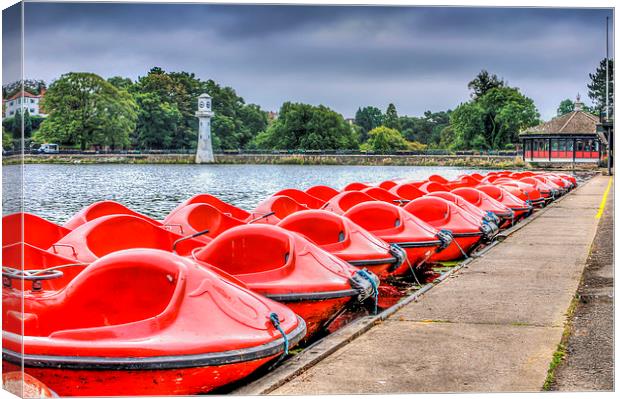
432, 186
484, 202
381, 194
407, 191
463, 204
276, 208
324, 193
437, 179
36, 231
466, 229
518, 206
222, 206
108, 234
195, 218
339, 236
284, 266
345, 200
388, 184
355, 186
103, 208
396, 226
302, 197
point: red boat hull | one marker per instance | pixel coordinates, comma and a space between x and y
187, 381
317, 314
452, 252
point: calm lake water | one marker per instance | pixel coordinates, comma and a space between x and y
56, 192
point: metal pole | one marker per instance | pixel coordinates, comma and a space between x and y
607, 96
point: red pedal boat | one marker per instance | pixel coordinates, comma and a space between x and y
195, 218
286, 267
395, 226
486, 203
346, 200
407, 191
520, 208
144, 322
217, 203
467, 231
485, 217
348, 241
108, 234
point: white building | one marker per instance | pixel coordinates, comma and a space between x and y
23, 100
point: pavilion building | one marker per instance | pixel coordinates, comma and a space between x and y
571, 137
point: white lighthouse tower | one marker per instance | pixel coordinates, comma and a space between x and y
204, 150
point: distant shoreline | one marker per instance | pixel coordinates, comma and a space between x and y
474, 161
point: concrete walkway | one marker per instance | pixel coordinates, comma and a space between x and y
493, 327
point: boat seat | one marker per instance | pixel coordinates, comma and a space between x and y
217, 203
355, 186
126, 287
199, 217
302, 197
376, 216
114, 233
36, 231
100, 209
407, 191
321, 227
249, 249
381, 194
324, 193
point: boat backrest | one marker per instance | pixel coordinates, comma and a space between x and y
100, 209
375, 215
249, 249
407, 191
381, 194
320, 227
200, 217
324, 193
302, 197
36, 230
125, 287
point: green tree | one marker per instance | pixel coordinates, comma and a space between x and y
384, 139
120, 82
484, 82
303, 126
368, 118
86, 110
597, 85
493, 120
425, 129
157, 122
391, 118
7, 140
565, 107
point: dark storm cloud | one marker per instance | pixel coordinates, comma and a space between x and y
344, 57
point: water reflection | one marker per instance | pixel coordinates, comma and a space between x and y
58, 191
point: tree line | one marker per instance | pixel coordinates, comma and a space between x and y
157, 112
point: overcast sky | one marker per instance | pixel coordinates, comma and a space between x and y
343, 57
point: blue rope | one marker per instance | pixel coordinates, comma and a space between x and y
375, 287
273, 317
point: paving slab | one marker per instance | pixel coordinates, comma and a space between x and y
413, 357
493, 327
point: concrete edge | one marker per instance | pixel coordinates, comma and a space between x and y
321, 349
